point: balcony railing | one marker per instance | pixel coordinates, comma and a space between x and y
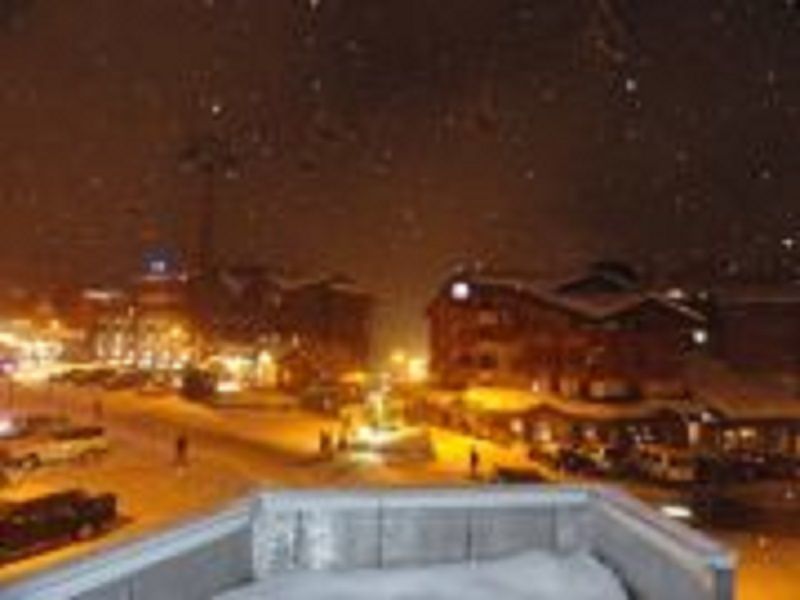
273, 532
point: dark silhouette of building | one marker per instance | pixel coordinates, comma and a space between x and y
757, 328
329, 324
318, 329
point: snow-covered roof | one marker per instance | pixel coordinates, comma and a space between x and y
592, 306
510, 400
758, 294
738, 396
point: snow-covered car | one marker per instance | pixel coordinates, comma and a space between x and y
74, 443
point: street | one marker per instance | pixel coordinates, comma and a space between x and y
232, 449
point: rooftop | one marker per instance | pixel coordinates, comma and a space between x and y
594, 296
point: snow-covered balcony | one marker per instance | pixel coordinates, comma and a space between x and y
537, 542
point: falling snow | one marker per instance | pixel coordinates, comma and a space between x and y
529, 131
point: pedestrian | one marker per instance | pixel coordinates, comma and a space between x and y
181, 450
323, 442
474, 462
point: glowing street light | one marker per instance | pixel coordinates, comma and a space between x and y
417, 370
399, 358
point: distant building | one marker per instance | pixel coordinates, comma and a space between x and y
313, 330
239, 304
598, 336
328, 323
107, 314
163, 331
146, 325
317, 329
757, 328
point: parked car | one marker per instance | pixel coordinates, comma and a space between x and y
198, 385
20, 426
153, 386
40, 523
125, 380
33, 424
545, 451
782, 466
573, 460
88, 377
518, 474
73, 443
667, 464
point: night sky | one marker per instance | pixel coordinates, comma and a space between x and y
394, 139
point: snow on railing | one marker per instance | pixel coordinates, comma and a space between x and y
279, 531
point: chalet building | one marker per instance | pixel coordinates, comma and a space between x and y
318, 329
599, 336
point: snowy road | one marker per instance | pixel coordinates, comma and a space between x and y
233, 449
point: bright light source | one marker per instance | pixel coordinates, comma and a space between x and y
417, 370
158, 266
7, 427
677, 511
354, 378
460, 290
676, 293
8, 367
399, 357
228, 386
700, 337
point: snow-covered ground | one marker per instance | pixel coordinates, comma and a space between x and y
234, 448
534, 575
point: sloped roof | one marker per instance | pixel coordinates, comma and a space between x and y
591, 306
758, 294
515, 401
741, 397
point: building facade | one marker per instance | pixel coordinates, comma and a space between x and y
598, 336
145, 326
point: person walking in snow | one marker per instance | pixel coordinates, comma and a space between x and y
181, 450
474, 462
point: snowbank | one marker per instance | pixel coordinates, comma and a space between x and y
534, 575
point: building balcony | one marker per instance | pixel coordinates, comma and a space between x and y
267, 541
